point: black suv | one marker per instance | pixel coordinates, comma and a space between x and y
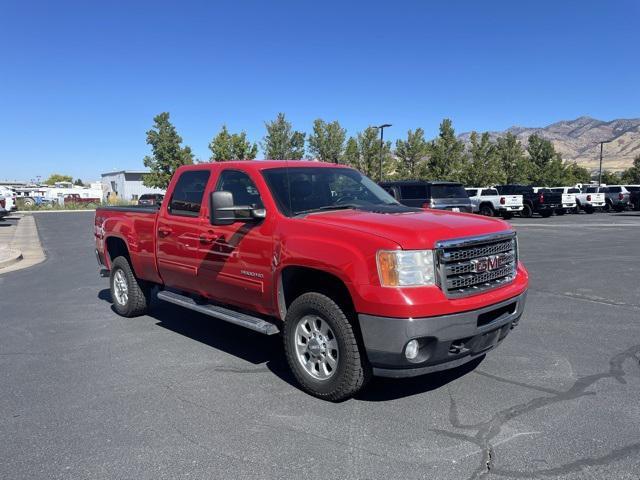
438, 195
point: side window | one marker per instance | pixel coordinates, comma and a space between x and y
241, 186
615, 189
489, 191
187, 195
391, 191
413, 192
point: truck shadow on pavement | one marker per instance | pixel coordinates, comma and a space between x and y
259, 349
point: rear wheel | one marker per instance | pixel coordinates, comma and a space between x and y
507, 215
546, 213
130, 296
560, 211
322, 348
607, 206
527, 211
589, 209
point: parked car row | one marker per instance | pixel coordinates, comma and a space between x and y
507, 200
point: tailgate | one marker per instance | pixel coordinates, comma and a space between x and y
512, 200
568, 198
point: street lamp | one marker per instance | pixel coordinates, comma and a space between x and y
600, 174
381, 128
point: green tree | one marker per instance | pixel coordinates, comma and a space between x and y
410, 153
547, 167
574, 173
57, 177
483, 167
78, 182
281, 141
632, 174
231, 146
516, 166
610, 178
446, 154
369, 154
351, 154
167, 154
327, 141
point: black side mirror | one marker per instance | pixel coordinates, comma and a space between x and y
223, 211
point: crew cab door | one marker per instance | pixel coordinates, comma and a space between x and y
237, 267
181, 228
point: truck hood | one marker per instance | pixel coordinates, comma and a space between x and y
413, 230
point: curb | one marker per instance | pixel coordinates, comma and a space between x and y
9, 256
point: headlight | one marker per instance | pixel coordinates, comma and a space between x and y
406, 268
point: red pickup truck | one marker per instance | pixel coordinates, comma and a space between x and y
357, 283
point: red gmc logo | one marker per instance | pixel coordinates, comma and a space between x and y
486, 264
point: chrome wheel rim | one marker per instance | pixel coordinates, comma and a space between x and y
316, 347
120, 288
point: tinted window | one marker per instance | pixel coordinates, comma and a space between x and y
489, 191
615, 189
591, 190
557, 190
390, 191
574, 190
187, 196
632, 188
241, 186
472, 192
448, 191
413, 192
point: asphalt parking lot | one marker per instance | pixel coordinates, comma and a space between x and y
87, 394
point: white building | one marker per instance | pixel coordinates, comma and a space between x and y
126, 184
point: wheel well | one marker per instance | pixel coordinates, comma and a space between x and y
486, 204
116, 247
298, 280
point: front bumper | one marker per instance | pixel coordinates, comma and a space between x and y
446, 341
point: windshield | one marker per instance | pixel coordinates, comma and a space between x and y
318, 188
448, 191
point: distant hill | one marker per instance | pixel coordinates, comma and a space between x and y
577, 140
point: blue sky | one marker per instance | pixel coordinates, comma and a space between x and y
81, 81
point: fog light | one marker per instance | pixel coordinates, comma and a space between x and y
411, 350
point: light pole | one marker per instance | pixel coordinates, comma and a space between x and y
381, 128
601, 148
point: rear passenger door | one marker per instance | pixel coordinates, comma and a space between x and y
181, 230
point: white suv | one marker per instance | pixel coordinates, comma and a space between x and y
9, 198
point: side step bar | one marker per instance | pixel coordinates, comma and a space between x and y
252, 323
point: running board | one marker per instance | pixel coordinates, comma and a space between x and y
252, 323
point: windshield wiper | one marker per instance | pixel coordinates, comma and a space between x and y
342, 206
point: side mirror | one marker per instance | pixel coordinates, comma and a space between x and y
223, 211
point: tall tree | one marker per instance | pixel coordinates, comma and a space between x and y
515, 164
483, 167
574, 173
410, 153
369, 154
351, 154
610, 178
57, 177
281, 141
231, 146
78, 182
632, 174
545, 161
167, 154
327, 141
446, 154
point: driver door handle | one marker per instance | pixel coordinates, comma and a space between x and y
208, 237
164, 231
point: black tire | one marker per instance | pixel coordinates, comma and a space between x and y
527, 211
507, 215
546, 213
607, 206
560, 211
486, 210
138, 292
352, 371
619, 209
589, 209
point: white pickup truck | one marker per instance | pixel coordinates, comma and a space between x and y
590, 198
488, 202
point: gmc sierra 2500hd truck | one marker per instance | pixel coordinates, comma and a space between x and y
358, 284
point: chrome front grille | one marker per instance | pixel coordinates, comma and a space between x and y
472, 265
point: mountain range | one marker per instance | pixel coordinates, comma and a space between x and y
577, 140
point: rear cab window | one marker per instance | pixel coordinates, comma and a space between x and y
489, 191
186, 199
472, 192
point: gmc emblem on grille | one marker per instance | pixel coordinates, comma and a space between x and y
488, 263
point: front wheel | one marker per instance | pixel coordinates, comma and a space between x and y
322, 348
130, 296
527, 211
